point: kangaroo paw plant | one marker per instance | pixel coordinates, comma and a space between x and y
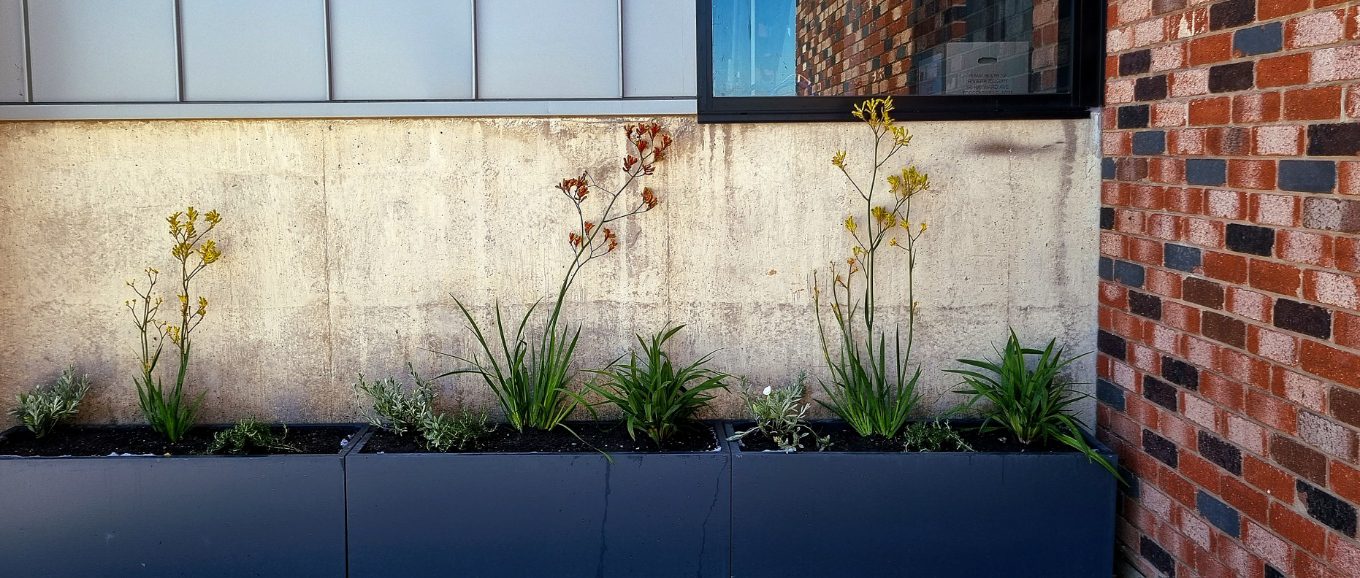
530, 374
50, 405
1031, 402
171, 411
872, 388
780, 415
654, 396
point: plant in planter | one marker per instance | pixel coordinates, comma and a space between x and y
402, 412
532, 383
249, 436
873, 390
48, 406
781, 416
653, 395
659, 506
1033, 403
893, 494
172, 412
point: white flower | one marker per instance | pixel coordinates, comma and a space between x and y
767, 390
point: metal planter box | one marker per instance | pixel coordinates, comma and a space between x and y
531, 514
921, 514
173, 516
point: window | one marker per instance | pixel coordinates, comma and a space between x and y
793, 60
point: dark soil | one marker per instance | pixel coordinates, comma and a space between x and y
141, 440
846, 439
594, 437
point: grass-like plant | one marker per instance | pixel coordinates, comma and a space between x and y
871, 388
1031, 401
50, 405
249, 436
655, 396
781, 415
404, 412
172, 411
530, 373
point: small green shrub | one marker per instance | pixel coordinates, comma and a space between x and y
443, 432
1032, 403
394, 409
654, 396
249, 436
933, 436
780, 415
48, 406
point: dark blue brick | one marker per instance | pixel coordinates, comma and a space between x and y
1206, 171
1307, 176
1221, 515
1261, 39
1181, 258
1107, 168
1220, 452
1106, 268
1180, 373
1328, 509
1107, 218
1250, 239
1133, 116
1110, 394
1161, 448
1160, 393
1157, 556
1130, 274
1272, 572
1111, 344
1149, 142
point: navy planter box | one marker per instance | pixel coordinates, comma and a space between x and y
529, 514
921, 514
173, 516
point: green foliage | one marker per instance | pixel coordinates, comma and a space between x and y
933, 436
443, 432
872, 390
780, 415
49, 405
392, 407
531, 384
1032, 403
171, 411
654, 396
249, 436
402, 412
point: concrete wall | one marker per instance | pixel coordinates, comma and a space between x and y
345, 239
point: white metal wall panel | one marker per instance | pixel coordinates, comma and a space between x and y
13, 61
401, 49
659, 48
103, 51
254, 50
548, 49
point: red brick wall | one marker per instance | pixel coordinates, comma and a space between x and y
1229, 356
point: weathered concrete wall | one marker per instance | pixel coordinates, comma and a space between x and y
345, 239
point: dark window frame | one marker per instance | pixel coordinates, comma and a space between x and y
1087, 69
